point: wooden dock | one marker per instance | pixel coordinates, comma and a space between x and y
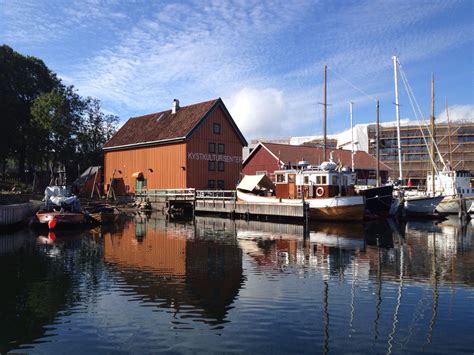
219, 202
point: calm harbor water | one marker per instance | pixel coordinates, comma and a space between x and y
148, 285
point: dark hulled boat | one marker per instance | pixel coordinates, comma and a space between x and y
378, 200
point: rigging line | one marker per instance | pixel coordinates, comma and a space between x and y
410, 92
416, 116
355, 87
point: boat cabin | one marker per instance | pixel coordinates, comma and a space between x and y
314, 183
450, 182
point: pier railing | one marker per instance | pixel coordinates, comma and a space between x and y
186, 194
167, 194
219, 201
216, 195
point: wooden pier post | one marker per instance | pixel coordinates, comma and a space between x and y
194, 204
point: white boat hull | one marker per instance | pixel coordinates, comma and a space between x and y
422, 205
450, 205
344, 208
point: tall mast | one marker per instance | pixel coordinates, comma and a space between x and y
433, 132
352, 138
325, 104
397, 111
449, 136
377, 137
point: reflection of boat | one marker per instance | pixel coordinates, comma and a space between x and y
62, 207
337, 241
338, 235
379, 233
341, 236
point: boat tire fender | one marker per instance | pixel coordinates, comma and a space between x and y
320, 191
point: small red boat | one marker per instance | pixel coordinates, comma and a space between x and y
61, 208
61, 217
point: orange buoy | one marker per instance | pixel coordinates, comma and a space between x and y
52, 223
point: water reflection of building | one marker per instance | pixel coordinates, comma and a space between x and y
168, 263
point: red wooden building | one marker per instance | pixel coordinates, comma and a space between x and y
197, 146
265, 158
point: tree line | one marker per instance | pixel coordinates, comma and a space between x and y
45, 123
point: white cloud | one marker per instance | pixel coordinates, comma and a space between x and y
258, 112
458, 113
147, 53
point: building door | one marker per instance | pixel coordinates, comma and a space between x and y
292, 186
140, 184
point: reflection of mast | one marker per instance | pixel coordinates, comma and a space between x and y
378, 293
434, 309
354, 278
399, 299
377, 150
326, 317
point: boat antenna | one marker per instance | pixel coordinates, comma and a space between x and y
325, 105
433, 138
397, 112
449, 135
325, 110
352, 137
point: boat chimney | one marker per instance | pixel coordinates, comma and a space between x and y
175, 107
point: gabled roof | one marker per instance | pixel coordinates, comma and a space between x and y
165, 127
314, 155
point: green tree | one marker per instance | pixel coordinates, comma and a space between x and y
22, 80
96, 128
57, 120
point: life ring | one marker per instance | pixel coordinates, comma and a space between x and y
320, 191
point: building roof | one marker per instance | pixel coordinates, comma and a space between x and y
314, 156
166, 127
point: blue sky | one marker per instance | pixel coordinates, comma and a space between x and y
264, 58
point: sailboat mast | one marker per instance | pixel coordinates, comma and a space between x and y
377, 137
397, 111
352, 138
449, 135
325, 112
433, 139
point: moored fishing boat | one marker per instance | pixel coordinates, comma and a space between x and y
327, 189
456, 188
